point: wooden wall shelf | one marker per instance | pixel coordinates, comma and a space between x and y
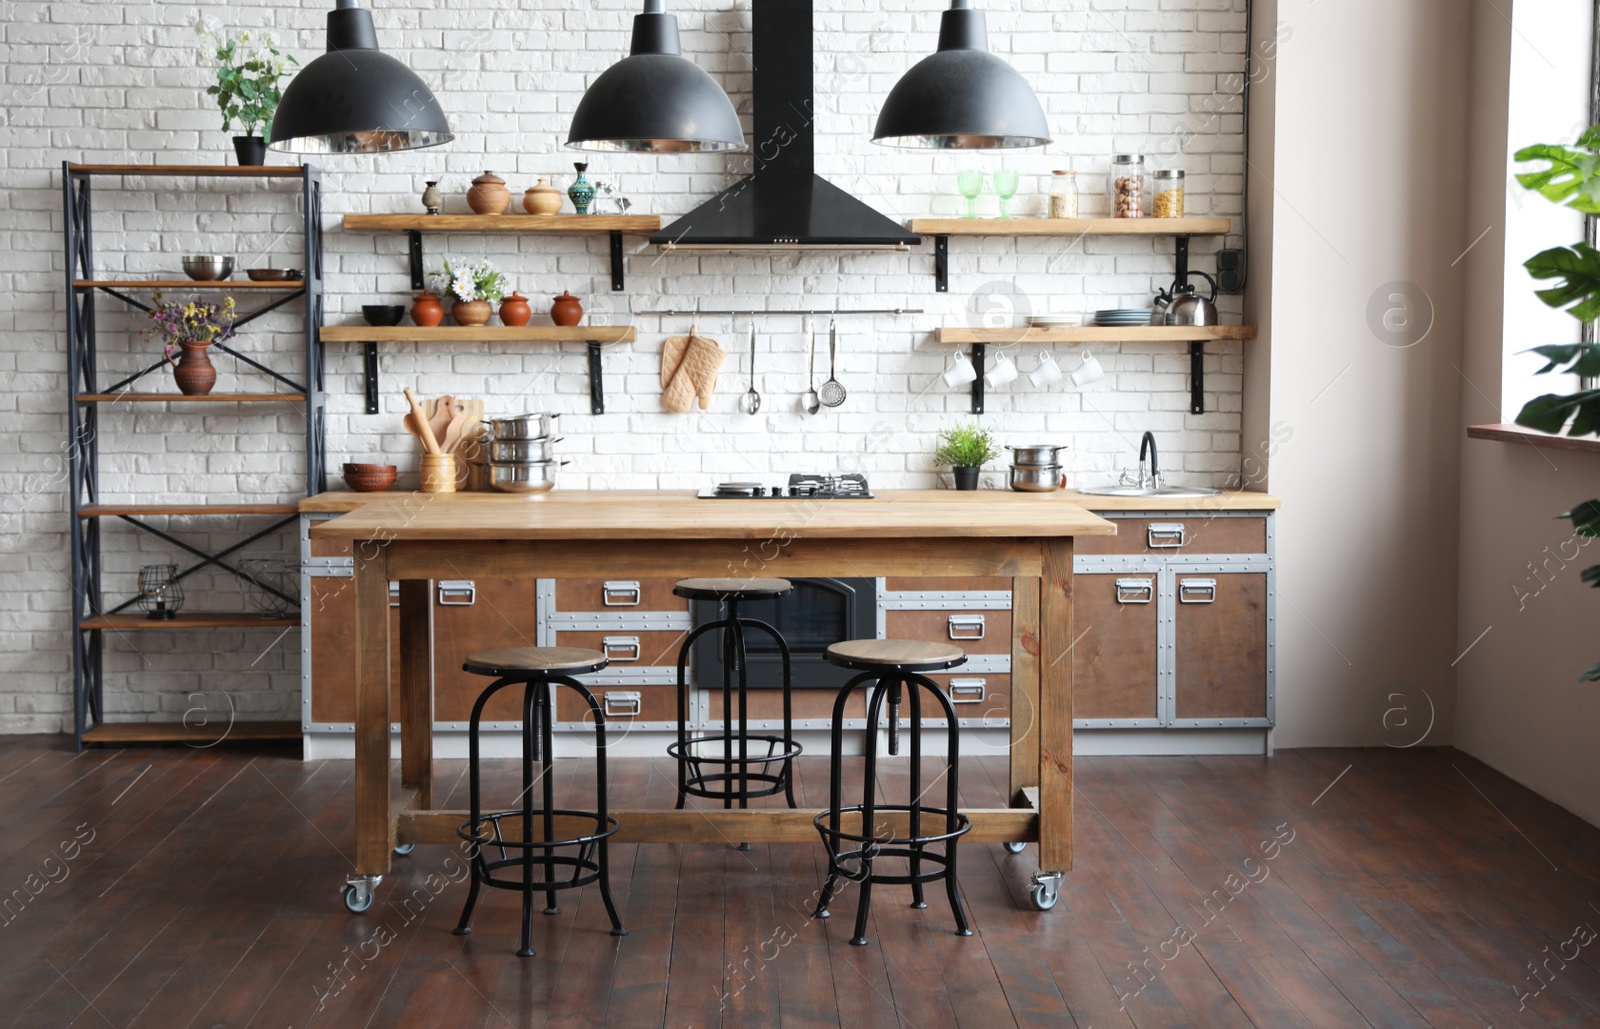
180, 398
1100, 334
131, 510
555, 224
188, 620
1534, 438
205, 284
217, 171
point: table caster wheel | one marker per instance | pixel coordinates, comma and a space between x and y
1015, 848
405, 848
360, 891
1045, 890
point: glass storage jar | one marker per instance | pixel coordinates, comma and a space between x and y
1168, 194
1063, 194
1127, 186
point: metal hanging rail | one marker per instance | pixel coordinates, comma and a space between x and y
691, 313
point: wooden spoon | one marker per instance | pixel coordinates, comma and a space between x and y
430, 442
443, 409
452, 433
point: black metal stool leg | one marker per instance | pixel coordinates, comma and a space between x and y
912, 691
544, 716
529, 729
952, 788
835, 794
869, 802
479, 873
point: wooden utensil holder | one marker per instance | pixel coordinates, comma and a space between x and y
438, 473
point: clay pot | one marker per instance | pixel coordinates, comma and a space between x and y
193, 371
488, 194
432, 198
567, 310
472, 312
542, 198
427, 311
514, 310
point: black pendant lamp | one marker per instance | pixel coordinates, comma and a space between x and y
356, 99
962, 97
655, 100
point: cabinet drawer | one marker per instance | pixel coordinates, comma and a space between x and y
584, 595
331, 548
621, 704
945, 583
767, 705
1114, 661
628, 646
1197, 534
983, 699
1221, 660
976, 632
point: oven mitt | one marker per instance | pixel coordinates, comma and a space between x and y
693, 362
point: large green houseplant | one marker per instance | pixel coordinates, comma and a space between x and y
1570, 177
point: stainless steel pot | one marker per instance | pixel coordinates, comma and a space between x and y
517, 450
523, 426
1036, 455
523, 476
1036, 479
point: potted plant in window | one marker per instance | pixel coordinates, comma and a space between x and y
247, 89
965, 448
473, 290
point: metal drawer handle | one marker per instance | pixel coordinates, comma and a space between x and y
967, 691
1136, 591
394, 593
1197, 591
1165, 535
620, 594
621, 648
966, 627
457, 593
623, 704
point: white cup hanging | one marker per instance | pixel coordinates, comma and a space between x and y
1090, 371
960, 371
1002, 371
1048, 373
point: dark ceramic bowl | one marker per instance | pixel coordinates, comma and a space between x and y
369, 478
383, 314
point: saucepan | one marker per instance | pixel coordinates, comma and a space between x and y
511, 451
523, 476
1041, 479
1036, 455
523, 426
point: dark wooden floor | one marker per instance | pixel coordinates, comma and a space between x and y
198, 888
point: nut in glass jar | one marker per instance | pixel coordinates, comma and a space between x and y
1127, 186
1168, 202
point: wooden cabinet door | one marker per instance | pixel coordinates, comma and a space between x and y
1115, 655
1221, 651
333, 648
501, 615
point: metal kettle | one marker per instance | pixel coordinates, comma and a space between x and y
1187, 307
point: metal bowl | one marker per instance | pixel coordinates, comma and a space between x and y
208, 267
523, 426
275, 274
523, 476
1036, 478
516, 451
1036, 455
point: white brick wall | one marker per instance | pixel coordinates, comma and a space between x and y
117, 80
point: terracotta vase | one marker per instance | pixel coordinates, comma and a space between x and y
514, 310
193, 371
427, 311
567, 310
542, 198
488, 194
472, 312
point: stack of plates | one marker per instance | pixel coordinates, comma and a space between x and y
1123, 316
1054, 321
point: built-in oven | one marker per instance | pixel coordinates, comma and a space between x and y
818, 613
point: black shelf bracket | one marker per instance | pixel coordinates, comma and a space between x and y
1180, 258
597, 399
415, 247
979, 354
1197, 377
369, 365
941, 263
616, 261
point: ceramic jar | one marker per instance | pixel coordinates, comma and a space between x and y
427, 311
472, 312
514, 310
542, 198
567, 310
193, 371
581, 191
488, 194
432, 198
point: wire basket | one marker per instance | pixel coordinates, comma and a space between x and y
269, 585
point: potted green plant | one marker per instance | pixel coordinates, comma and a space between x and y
473, 289
247, 89
965, 448
1572, 178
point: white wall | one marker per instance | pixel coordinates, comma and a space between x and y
119, 81
1366, 189
1521, 707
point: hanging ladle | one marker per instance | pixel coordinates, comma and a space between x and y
809, 402
752, 399
832, 393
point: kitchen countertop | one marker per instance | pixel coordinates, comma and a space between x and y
341, 501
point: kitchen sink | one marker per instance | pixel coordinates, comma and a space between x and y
1149, 491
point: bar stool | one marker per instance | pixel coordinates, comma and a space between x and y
707, 765
892, 668
536, 669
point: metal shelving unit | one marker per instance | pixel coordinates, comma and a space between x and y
92, 618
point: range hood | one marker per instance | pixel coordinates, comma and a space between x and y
784, 205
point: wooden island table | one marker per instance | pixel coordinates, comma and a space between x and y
416, 538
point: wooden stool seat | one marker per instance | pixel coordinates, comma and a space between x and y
736, 589
549, 660
907, 655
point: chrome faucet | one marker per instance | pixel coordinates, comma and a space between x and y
1149, 469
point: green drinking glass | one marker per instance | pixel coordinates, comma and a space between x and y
971, 184
1005, 187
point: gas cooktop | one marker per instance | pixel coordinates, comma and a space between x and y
800, 487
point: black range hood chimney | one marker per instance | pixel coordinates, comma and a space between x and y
783, 205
